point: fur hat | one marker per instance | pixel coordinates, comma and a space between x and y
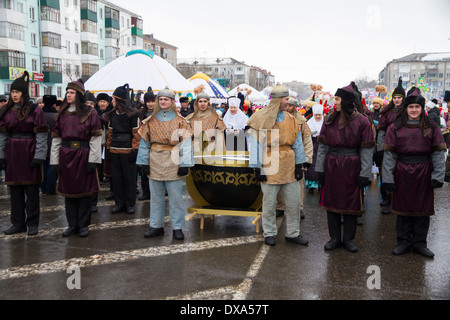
121, 93
22, 84
149, 95
77, 86
103, 96
166, 92
347, 93
378, 100
49, 100
89, 97
399, 91
414, 96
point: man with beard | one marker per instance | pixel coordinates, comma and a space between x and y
343, 166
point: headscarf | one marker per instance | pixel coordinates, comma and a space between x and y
313, 124
238, 120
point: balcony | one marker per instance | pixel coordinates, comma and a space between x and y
50, 3
52, 77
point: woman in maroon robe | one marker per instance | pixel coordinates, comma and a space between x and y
23, 149
413, 166
343, 166
76, 151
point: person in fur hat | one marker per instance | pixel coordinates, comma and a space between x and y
344, 166
166, 149
413, 166
387, 117
275, 135
123, 145
75, 153
23, 149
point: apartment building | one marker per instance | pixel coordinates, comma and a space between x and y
433, 69
229, 72
161, 49
59, 41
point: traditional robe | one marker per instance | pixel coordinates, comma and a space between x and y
411, 161
344, 155
20, 143
74, 181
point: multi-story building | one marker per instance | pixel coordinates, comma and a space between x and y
59, 41
228, 71
432, 68
161, 49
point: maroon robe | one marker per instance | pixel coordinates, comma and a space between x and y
413, 194
388, 117
20, 152
74, 181
340, 192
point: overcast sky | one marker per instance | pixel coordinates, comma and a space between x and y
329, 42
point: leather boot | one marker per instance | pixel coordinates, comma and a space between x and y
270, 241
178, 234
332, 244
84, 232
15, 229
297, 240
401, 249
154, 232
423, 251
70, 231
350, 246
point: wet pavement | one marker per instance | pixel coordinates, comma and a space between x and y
226, 260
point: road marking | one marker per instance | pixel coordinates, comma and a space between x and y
121, 256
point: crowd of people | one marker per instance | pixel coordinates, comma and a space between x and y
69, 147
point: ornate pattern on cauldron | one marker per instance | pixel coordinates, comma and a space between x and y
227, 187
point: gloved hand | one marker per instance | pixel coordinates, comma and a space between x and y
298, 172
378, 158
390, 187
182, 171
55, 168
2, 164
320, 178
307, 165
91, 168
363, 182
36, 163
133, 156
436, 184
259, 176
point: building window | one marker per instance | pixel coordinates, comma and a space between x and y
34, 64
50, 14
32, 13
89, 48
88, 26
34, 40
12, 59
5, 4
77, 48
89, 69
90, 5
67, 23
51, 65
67, 46
50, 39
12, 30
112, 33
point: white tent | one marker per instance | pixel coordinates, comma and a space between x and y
140, 69
212, 87
250, 93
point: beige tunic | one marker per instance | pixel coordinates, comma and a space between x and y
165, 138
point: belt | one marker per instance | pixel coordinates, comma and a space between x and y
122, 136
413, 159
280, 148
340, 151
22, 135
161, 147
75, 144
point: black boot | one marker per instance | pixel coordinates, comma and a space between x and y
15, 229
178, 234
154, 232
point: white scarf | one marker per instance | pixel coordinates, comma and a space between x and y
235, 121
315, 126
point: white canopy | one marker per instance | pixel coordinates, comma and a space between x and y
250, 93
140, 69
212, 87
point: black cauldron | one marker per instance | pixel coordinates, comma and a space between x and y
224, 181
